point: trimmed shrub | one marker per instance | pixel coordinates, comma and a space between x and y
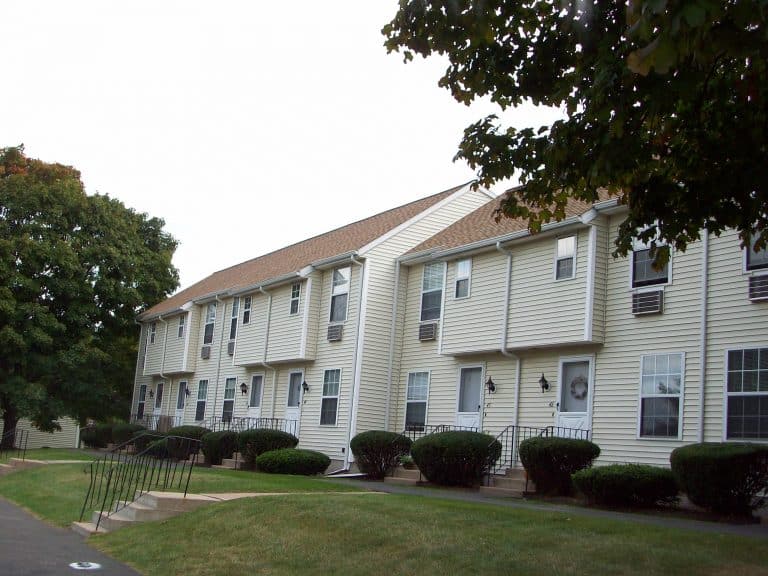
727, 478
143, 438
122, 432
551, 461
97, 436
377, 451
292, 461
218, 445
254, 443
630, 485
455, 457
158, 448
180, 448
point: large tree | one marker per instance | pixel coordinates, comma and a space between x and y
75, 269
666, 104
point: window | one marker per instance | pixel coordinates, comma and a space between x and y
432, 291
202, 396
565, 258
228, 407
416, 401
339, 293
643, 272
463, 276
182, 322
756, 260
246, 310
295, 295
181, 397
159, 395
747, 393
142, 401
661, 392
257, 381
152, 332
329, 405
210, 320
233, 322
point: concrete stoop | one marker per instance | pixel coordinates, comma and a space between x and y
511, 484
405, 476
234, 463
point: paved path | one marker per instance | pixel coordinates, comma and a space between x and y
30, 547
753, 530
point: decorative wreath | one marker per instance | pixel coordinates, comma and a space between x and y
579, 388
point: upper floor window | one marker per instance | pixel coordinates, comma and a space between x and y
246, 310
339, 293
463, 277
756, 260
295, 296
210, 320
152, 332
233, 321
661, 389
432, 291
643, 271
565, 258
182, 322
747, 387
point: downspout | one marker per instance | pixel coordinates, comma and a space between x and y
266, 346
392, 330
505, 328
165, 346
218, 361
703, 331
356, 360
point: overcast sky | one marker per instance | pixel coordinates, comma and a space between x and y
246, 126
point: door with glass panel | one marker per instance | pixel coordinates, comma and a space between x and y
181, 399
470, 397
158, 407
293, 404
254, 396
575, 384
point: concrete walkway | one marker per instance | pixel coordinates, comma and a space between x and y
469, 495
30, 547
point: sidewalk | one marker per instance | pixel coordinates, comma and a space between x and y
468, 495
30, 547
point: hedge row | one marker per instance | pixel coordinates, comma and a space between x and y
100, 435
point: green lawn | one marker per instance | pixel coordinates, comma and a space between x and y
56, 492
50, 454
390, 535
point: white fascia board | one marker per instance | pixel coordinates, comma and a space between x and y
306, 271
157, 315
334, 260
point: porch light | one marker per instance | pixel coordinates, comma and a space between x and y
543, 383
244, 388
305, 386
186, 391
490, 385
151, 393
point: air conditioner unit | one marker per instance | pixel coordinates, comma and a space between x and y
758, 288
648, 302
205, 352
231, 348
335, 332
428, 331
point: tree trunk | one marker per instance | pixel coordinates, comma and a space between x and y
10, 419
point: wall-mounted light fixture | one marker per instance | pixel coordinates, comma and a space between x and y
305, 386
490, 385
151, 393
243, 388
543, 383
186, 391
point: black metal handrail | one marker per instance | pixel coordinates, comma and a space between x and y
119, 478
18, 443
240, 424
157, 422
564, 432
416, 431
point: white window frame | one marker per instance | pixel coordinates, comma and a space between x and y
210, 319
247, 301
182, 325
296, 299
325, 397
224, 400
637, 245
340, 290
181, 395
745, 260
301, 389
152, 332
204, 399
680, 396
426, 401
727, 394
457, 279
463, 367
234, 315
572, 256
423, 292
261, 394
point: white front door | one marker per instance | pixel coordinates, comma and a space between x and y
254, 396
470, 397
158, 399
293, 406
181, 400
574, 397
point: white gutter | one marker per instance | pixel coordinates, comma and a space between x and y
357, 359
518, 371
267, 283
218, 360
589, 300
392, 331
333, 261
703, 330
505, 312
266, 347
305, 319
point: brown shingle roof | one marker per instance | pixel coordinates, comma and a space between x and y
480, 225
295, 257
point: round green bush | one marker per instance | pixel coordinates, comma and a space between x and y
550, 461
377, 451
455, 457
97, 436
292, 461
143, 438
181, 441
727, 478
122, 433
628, 485
219, 445
158, 448
253, 443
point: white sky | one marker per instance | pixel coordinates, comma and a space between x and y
246, 125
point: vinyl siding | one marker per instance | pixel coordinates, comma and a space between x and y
285, 330
141, 377
603, 249
154, 351
67, 437
251, 337
174, 346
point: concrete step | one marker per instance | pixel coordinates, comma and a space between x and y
112, 522
87, 528
506, 492
174, 501
402, 481
516, 473
232, 463
506, 482
143, 513
401, 472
